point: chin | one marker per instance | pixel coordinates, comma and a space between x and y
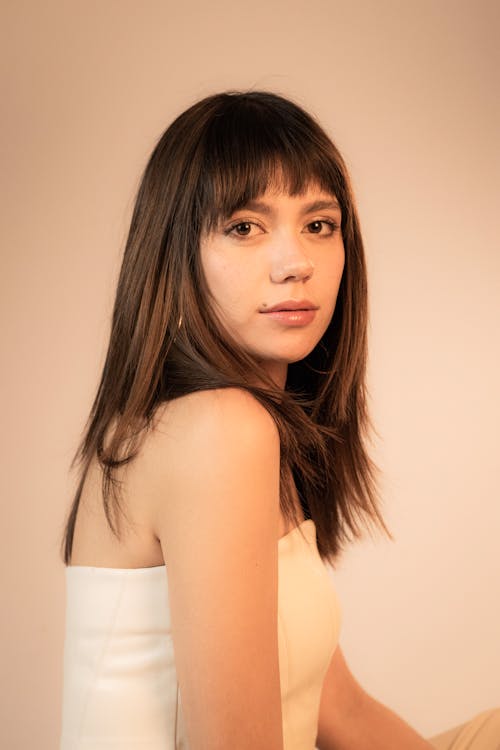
290, 356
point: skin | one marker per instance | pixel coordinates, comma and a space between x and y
278, 248
283, 248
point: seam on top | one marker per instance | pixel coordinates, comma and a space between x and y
99, 661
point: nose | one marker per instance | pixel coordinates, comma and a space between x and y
290, 262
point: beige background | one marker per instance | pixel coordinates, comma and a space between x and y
409, 91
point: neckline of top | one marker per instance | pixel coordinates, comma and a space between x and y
161, 567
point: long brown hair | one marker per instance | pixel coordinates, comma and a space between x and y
222, 152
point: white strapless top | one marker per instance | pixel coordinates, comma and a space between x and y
120, 689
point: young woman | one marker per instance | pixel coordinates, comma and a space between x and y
224, 462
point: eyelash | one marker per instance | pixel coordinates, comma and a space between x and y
334, 226
329, 222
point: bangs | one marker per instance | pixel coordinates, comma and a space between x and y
250, 148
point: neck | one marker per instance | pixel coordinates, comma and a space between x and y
277, 371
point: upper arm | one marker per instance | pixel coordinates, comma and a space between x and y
216, 514
341, 697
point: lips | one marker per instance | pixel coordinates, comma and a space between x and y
291, 304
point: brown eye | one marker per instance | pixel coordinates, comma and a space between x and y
243, 228
322, 226
315, 227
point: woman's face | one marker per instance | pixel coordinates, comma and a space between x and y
274, 269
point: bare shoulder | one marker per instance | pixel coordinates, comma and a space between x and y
214, 410
203, 426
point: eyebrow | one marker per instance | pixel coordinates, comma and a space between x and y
266, 209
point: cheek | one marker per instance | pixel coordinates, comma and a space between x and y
228, 283
331, 277
337, 269
215, 271
329, 272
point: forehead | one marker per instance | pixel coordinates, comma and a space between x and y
230, 188
311, 198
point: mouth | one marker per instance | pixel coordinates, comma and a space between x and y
291, 306
295, 317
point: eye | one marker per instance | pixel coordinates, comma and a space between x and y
242, 229
325, 227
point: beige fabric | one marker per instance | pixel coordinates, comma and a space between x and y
120, 684
480, 733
